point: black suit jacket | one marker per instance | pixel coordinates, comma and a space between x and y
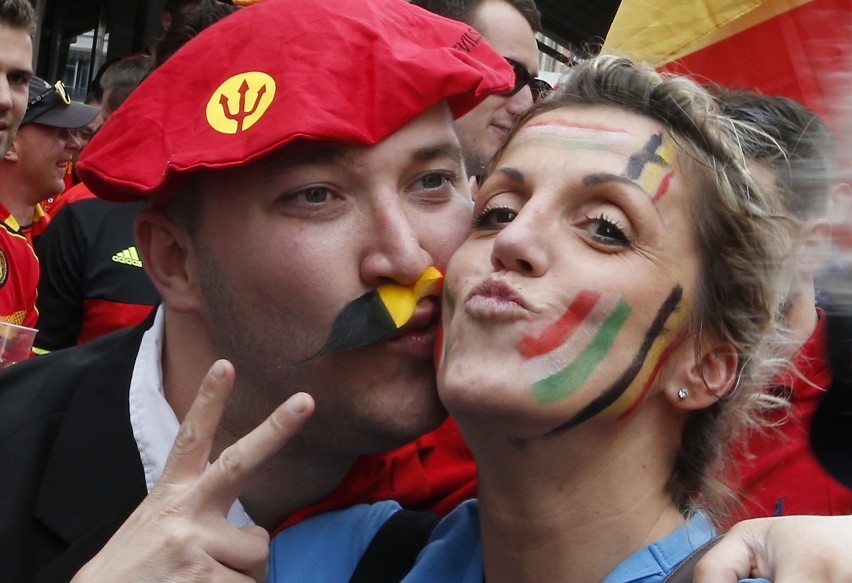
70, 472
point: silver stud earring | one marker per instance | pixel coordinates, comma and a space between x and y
682, 393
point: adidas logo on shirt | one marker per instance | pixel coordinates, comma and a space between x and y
129, 257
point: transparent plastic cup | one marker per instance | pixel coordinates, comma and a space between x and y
16, 343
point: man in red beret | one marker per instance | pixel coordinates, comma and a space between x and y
276, 200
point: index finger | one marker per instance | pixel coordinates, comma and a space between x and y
222, 482
190, 452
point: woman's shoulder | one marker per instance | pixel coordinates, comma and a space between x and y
659, 560
326, 547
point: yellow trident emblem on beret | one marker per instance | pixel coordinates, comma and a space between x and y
240, 102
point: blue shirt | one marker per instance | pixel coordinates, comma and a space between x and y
327, 548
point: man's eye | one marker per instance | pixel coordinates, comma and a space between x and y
434, 180
315, 195
494, 218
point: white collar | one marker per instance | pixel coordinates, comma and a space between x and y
154, 423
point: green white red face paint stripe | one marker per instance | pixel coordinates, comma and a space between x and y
666, 330
571, 136
650, 168
561, 358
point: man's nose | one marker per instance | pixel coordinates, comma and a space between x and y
394, 252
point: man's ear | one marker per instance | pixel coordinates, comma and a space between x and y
815, 247
704, 377
168, 255
473, 183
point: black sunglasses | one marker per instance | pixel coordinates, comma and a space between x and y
58, 87
539, 87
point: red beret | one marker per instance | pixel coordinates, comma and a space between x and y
348, 71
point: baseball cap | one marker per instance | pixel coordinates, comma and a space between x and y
350, 71
50, 105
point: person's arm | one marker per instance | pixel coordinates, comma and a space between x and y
180, 531
786, 549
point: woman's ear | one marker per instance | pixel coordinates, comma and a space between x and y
703, 379
168, 255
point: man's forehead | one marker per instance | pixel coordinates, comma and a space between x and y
16, 47
429, 136
306, 153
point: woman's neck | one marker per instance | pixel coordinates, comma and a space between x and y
563, 507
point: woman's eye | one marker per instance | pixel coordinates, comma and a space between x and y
604, 230
494, 218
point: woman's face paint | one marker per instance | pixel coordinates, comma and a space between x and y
562, 357
571, 291
378, 313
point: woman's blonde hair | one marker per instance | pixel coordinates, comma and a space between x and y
742, 239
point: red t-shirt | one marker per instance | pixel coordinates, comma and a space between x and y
433, 473
778, 473
18, 269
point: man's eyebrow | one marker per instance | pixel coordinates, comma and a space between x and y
430, 152
320, 155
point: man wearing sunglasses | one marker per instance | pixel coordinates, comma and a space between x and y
510, 27
32, 169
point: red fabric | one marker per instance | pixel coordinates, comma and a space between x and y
778, 472
795, 54
18, 274
104, 316
434, 473
347, 71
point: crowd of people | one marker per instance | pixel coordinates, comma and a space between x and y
244, 362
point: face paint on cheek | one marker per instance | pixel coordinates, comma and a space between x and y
570, 136
651, 168
377, 314
673, 305
561, 358
673, 334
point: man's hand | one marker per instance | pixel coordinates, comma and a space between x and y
180, 531
787, 549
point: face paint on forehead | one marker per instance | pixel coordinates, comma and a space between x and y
571, 136
663, 326
651, 168
378, 313
561, 358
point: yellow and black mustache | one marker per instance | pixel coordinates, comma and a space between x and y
379, 313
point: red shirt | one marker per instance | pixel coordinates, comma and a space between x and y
18, 269
434, 473
778, 473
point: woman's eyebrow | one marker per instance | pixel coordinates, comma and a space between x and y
513, 174
605, 177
